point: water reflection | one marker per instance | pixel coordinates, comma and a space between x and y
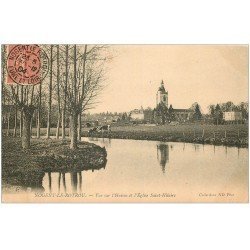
73, 177
196, 147
63, 182
163, 155
135, 166
106, 142
49, 175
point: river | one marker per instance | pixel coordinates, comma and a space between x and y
159, 171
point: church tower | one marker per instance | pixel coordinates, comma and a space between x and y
162, 95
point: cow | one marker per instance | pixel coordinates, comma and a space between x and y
104, 128
100, 129
95, 129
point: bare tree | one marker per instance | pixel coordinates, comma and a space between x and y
16, 110
65, 89
26, 104
38, 132
58, 92
21, 113
50, 92
83, 78
79, 72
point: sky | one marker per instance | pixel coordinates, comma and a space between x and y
206, 74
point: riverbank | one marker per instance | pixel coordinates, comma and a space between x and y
235, 135
227, 135
232, 142
26, 168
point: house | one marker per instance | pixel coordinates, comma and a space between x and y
137, 114
231, 116
183, 114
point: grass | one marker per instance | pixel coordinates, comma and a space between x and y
231, 134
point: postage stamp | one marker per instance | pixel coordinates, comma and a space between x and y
26, 64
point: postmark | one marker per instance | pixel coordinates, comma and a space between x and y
26, 64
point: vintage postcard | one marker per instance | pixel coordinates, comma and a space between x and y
124, 123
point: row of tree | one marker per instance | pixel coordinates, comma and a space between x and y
73, 83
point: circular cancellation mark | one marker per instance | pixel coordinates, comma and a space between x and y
26, 64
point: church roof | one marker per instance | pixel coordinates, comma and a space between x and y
183, 110
162, 88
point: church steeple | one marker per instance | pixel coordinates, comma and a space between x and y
162, 88
162, 95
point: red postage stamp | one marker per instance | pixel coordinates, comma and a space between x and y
26, 64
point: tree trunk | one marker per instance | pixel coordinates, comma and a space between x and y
58, 128
21, 112
50, 92
8, 124
26, 130
79, 127
65, 93
74, 113
15, 123
21, 123
73, 123
63, 124
58, 95
31, 126
15, 118
38, 129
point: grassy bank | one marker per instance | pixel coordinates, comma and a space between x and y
26, 168
229, 135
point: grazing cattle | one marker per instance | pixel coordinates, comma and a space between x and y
104, 128
100, 129
95, 129
88, 124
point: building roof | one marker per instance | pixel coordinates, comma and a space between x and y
162, 88
232, 112
137, 111
183, 110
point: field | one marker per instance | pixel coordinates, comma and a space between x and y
232, 135
232, 131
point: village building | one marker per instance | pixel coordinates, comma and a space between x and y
182, 115
137, 114
232, 116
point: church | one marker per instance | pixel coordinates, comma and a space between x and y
163, 112
181, 115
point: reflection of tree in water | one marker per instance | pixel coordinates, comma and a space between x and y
105, 141
73, 177
163, 155
64, 182
196, 147
49, 174
75, 180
